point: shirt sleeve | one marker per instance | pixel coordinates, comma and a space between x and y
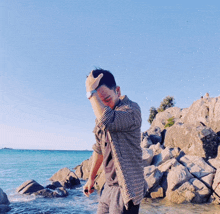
124, 118
97, 147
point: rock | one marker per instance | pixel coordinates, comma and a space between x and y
46, 193
165, 167
146, 142
162, 117
205, 110
202, 192
147, 156
216, 187
185, 193
157, 193
215, 163
152, 176
200, 140
165, 155
157, 148
175, 152
185, 188
29, 187
83, 170
66, 177
196, 166
155, 135
4, 202
177, 176
208, 180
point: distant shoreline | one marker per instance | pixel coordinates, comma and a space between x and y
55, 150
7, 148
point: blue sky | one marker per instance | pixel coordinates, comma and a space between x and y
48, 47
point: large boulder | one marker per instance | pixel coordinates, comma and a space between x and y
178, 175
193, 140
199, 168
190, 191
205, 110
29, 187
66, 177
162, 117
83, 170
32, 187
4, 202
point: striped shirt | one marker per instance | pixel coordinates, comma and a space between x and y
123, 127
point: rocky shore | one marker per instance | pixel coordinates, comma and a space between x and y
182, 158
4, 202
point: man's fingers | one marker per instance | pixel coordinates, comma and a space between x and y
100, 76
87, 192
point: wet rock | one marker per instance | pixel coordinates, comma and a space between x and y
4, 202
66, 178
29, 187
57, 193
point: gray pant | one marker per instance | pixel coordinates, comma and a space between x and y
111, 202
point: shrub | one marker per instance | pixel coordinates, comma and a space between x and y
170, 122
166, 103
153, 112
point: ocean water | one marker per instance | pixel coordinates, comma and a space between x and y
18, 166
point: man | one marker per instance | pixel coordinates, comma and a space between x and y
118, 138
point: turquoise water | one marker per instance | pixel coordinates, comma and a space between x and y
18, 166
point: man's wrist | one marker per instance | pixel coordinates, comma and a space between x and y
89, 94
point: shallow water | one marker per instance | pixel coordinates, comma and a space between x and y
18, 166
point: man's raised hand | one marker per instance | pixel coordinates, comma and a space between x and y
91, 82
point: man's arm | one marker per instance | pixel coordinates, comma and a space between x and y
97, 160
97, 105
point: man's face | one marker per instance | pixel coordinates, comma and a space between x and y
109, 97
